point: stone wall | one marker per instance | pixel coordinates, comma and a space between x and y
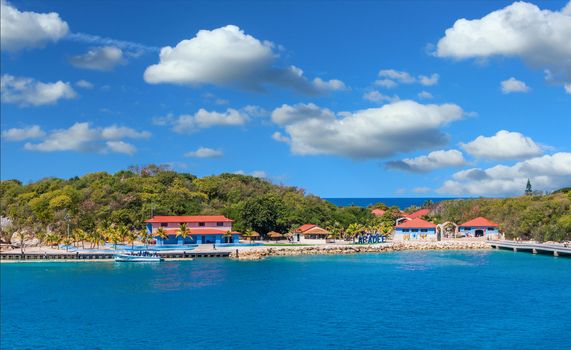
263, 252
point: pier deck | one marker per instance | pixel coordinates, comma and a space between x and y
106, 256
535, 248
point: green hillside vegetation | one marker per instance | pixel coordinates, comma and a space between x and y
120, 202
542, 218
101, 207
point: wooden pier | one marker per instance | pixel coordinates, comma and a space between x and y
105, 256
534, 248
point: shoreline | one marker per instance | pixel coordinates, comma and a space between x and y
264, 252
258, 253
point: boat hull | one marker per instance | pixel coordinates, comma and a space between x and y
134, 258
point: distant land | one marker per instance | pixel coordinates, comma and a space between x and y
402, 203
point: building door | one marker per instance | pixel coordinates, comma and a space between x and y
479, 233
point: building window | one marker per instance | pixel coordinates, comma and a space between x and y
201, 224
405, 230
423, 230
219, 224
467, 228
491, 229
414, 230
164, 224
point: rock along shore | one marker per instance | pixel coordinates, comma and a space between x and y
263, 252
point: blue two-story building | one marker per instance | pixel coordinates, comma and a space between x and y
201, 229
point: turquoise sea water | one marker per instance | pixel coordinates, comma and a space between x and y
406, 300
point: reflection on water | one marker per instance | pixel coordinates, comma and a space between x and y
173, 278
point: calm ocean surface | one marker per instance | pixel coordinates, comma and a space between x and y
406, 300
402, 203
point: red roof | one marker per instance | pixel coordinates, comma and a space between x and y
479, 222
418, 213
305, 227
200, 231
378, 212
416, 223
195, 218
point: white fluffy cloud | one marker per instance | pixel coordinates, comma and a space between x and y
513, 85
546, 173
376, 96
81, 137
205, 152
425, 95
503, 145
256, 173
204, 119
539, 37
391, 78
25, 29
227, 56
371, 133
428, 81
84, 84
386, 83
19, 134
104, 58
432, 161
568, 88
120, 147
400, 76
29, 92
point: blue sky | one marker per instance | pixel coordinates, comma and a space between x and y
343, 99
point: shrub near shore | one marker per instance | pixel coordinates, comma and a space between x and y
541, 218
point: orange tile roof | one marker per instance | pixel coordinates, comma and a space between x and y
416, 223
304, 228
194, 218
316, 230
418, 213
479, 222
378, 212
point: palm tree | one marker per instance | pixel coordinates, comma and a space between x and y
335, 229
123, 232
228, 234
96, 237
145, 237
183, 232
353, 230
162, 233
113, 236
130, 237
52, 239
79, 236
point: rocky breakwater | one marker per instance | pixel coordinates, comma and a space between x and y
263, 252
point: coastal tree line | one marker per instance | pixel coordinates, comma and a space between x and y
102, 207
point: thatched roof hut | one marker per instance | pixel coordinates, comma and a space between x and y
275, 235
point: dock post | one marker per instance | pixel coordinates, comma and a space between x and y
555, 253
534, 251
515, 249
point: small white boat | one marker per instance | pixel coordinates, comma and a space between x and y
137, 258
